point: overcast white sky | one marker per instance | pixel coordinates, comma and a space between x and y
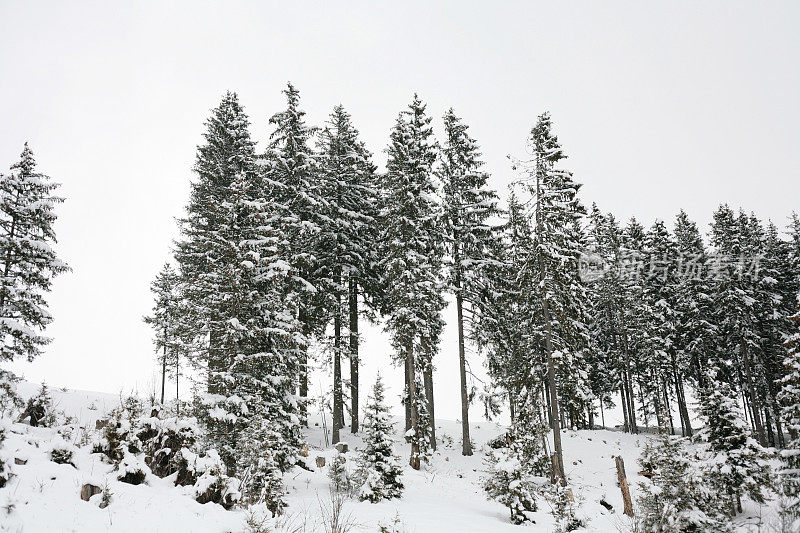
660, 106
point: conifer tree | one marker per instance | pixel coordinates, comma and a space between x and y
379, 467
554, 259
411, 255
346, 239
677, 498
29, 262
789, 398
165, 323
468, 204
518, 469
241, 293
293, 175
734, 463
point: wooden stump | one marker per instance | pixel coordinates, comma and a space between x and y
320, 461
623, 486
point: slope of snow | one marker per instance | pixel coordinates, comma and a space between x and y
445, 496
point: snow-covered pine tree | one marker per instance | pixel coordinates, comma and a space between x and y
468, 205
503, 320
293, 176
518, 470
28, 261
735, 318
166, 324
260, 474
345, 240
411, 254
789, 398
732, 461
658, 359
240, 293
378, 466
676, 499
694, 332
557, 246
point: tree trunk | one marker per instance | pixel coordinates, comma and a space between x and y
354, 362
338, 404
414, 460
623, 485
427, 377
163, 374
754, 401
466, 443
551, 379
408, 394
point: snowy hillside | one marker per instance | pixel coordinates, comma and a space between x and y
446, 495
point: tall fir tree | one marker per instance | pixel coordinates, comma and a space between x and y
468, 205
411, 255
292, 169
346, 240
29, 261
789, 398
557, 246
241, 294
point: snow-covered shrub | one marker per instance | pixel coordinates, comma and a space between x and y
5, 462
563, 506
733, 463
9, 399
131, 469
120, 435
517, 470
163, 441
379, 469
258, 468
40, 410
677, 497
259, 519
62, 452
338, 474
511, 484
395, 526
206, 474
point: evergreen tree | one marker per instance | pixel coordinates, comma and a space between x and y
378, 465
734, 463
292, 171
554, 261
676, 499
346, 240
517, 470
468, 204
29, 262
241, 294
789, 399
411, 255
166, 324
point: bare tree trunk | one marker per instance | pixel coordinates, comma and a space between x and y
466, 443
551, 378
338, 404
427, 377
354, 362
163, 374
414, 460
754, 401
408, 394
623, 485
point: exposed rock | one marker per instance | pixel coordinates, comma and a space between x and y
18, 461
342, 447
89, 490
320, 461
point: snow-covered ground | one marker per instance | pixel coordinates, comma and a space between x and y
445, 496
